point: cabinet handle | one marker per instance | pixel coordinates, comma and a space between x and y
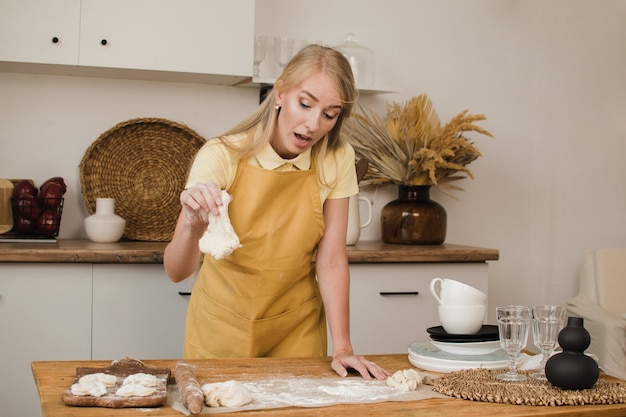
55, 40
103, 42
184, 293
386, 293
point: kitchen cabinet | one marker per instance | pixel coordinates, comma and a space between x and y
45, 314
40, 31
171, 40
195, 36
77, 299
391, 304
137, 312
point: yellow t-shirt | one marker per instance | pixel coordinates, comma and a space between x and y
215, 163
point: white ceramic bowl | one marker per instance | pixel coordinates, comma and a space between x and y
461, 319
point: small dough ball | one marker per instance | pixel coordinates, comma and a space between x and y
135, 390
107, 379
89, 387
405, 380
226, 394
147, 380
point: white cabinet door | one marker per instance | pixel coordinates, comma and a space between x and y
195, 36
39, 31
45, 314
137, 312
391, 305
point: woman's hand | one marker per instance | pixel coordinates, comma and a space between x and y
368, 369
198, 200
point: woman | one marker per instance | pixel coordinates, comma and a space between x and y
290, 176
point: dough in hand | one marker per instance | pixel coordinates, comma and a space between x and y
219, 239
226, 394
405, 380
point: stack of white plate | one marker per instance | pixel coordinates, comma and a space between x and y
446, 352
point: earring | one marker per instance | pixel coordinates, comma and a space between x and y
277, 107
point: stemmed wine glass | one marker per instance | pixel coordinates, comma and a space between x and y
513, 326
260, 50
283, 51
547, 323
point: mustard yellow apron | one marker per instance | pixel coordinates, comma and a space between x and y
263, 299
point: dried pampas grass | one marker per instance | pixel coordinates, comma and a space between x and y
410, 147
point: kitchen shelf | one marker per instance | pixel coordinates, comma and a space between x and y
137, 252
261, 82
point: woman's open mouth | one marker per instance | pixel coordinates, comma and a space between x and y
302, 137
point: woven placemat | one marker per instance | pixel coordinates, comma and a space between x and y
142, 164
482, 385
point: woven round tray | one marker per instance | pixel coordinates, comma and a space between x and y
142, 164
482, 385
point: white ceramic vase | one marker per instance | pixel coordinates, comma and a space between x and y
104, 226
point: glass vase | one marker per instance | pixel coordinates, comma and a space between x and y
413, 218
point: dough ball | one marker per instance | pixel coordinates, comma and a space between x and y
135, 390
89, 387
93, 384
147, 380
107, 379
405, 380
226, 394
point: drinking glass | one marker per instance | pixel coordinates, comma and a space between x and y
283, 50
547, 323
260, 50
513, 326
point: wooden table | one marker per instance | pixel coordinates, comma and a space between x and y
52, 378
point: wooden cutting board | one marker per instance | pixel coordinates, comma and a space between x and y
6, 213
121, 369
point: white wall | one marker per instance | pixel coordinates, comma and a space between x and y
551, 78
48, 122
549, 75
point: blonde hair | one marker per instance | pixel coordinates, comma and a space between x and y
310, 60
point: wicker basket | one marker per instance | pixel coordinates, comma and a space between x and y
142, 164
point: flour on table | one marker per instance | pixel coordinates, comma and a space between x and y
226, 394
279, 392
405, 380
220, 239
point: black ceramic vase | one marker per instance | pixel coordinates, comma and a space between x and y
572, 369
413, 219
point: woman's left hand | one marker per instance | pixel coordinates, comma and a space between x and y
368, 369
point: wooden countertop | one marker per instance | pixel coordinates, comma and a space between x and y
77, 251
52, 378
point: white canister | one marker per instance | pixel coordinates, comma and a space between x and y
354, 218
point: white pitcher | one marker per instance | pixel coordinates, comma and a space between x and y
354, 218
